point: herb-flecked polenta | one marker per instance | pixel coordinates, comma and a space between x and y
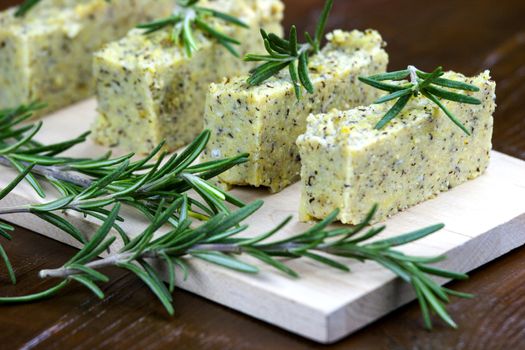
149, 91
348, 165
265, 120
47, 54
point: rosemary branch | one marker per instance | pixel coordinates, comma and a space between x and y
187, 17
57, 173
216, 241
429, 85
288, 53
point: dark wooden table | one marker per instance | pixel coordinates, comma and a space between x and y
466, 35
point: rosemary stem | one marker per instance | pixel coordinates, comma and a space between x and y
64, 272
305, 48
188, 13
15, 210
223, 248
55, 273
111, 260
238, 249
413, 74
118, 258
55, 173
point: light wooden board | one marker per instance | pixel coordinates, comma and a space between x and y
484, 218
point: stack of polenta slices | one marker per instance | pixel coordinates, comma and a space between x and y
149, 90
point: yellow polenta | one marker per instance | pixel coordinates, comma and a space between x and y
47, 54
348, 165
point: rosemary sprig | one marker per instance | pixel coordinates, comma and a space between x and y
288, 53
216, 242
429, 85
187, 17
88, 186
25, 7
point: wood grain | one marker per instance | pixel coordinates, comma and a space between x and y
493, 30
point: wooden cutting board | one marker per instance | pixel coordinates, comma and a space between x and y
485, 218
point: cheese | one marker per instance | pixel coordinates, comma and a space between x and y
47, 54
348, 165
149, 91
265, 120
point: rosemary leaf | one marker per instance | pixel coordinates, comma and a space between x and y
423, 306
171, 271
443, 273
295, 80
383, 86
89, 284
224, 260
449, 114
393, 96
428, 80
410, 237
266, 71
153, 285
293, 41
224, 16
11, 186
453, 84
94, 274
8, 265
321, 25
397, 75
452, 96
303, 73
267, 259
458, 294
62, 224
25, 7
30, 178
326, 261
393, 112
436, 305
36, 296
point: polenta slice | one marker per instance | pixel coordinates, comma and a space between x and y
349, 165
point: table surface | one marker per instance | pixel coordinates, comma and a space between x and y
467, 36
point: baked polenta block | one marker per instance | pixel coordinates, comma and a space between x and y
149, 91
265, 120
349, 165
46, 55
